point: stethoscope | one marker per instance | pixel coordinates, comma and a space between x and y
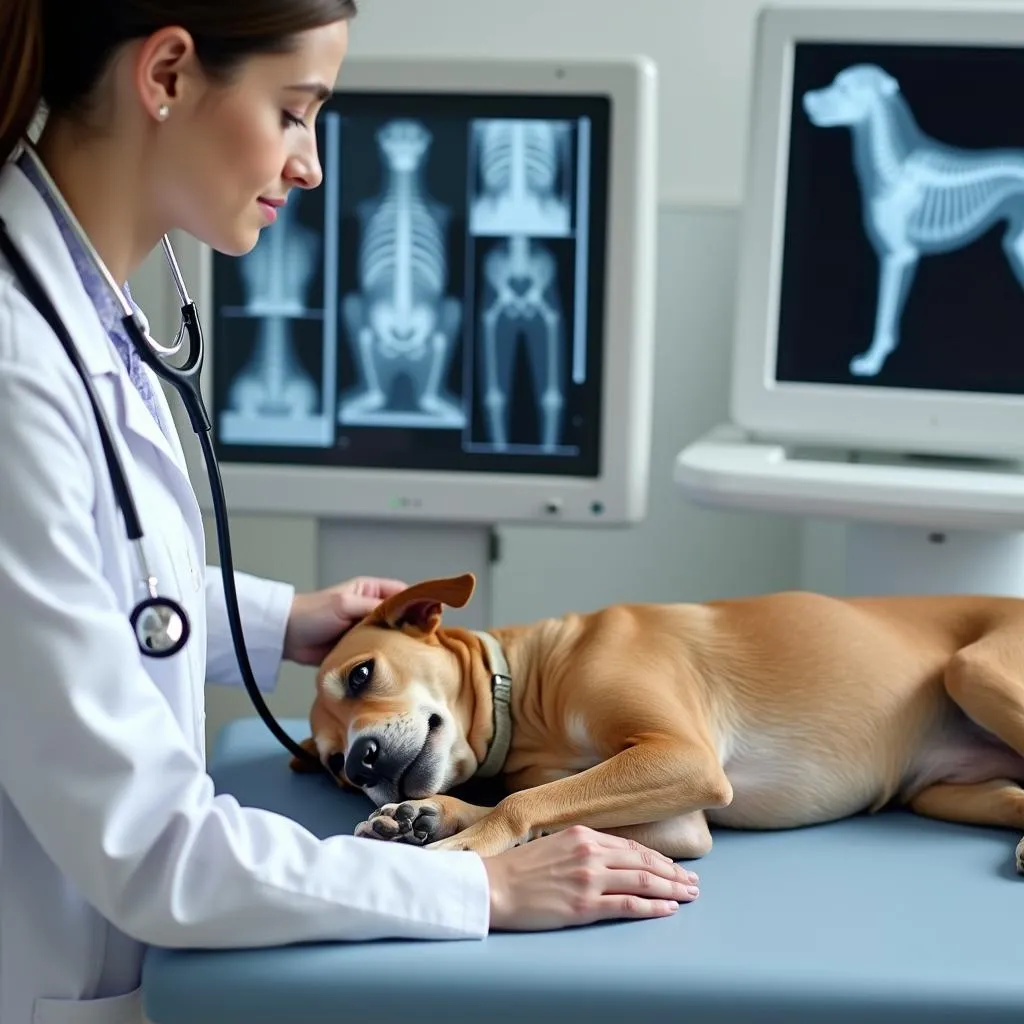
160, 624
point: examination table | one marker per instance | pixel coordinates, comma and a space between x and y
886, 918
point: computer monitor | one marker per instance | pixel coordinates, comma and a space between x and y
457, 325
881, 297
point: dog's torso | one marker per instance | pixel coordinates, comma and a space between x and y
815, 708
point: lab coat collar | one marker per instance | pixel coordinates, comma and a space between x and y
37, 236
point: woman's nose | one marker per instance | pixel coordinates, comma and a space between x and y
304, 171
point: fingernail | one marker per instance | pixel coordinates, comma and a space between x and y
693, 891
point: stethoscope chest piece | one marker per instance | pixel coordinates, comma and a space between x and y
161, 627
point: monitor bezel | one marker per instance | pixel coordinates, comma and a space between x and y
926, 422
618, 494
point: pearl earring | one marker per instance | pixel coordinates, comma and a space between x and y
163, 111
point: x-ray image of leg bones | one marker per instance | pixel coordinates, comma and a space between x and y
921, 197
401, 323
273, 390
525, 177
524, 305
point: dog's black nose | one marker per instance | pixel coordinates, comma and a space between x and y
359, 765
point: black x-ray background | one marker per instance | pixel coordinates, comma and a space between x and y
448, 176
963, 324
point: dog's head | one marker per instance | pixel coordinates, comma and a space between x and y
851, 98
395, 700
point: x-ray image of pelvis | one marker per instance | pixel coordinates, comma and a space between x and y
523, 178
274, 399
402, 324
921, 197
521, 307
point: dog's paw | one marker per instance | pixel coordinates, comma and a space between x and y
417, 822
1020, 857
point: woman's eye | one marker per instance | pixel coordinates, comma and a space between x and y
291, 121
359, 678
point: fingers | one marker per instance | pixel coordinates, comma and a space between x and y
642, 859
648, 885
628, 853
380, 587
608, 908
613, 842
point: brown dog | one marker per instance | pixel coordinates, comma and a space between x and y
651, 721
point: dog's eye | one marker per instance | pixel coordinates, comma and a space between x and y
359, 678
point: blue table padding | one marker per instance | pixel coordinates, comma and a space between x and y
891, 918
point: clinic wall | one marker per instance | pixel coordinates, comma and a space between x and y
704, 50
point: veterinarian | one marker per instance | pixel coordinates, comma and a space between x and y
194, 115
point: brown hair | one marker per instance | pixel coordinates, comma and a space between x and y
56, 52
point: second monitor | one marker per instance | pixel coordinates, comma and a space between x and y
882, 285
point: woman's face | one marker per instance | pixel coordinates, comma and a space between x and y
228, 154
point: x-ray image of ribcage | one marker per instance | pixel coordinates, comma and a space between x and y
522, 308
273, 397
524, 178
402, 325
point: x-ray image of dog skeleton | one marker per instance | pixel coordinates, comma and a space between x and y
921, 197
523, 306
525, 178
401, 323
276, 276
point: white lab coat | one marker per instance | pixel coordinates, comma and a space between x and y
111, 836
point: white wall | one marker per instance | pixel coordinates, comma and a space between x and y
704, 52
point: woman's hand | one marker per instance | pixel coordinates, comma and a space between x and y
318, 619
579, 876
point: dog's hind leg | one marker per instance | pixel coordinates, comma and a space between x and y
998, 803
895, 276
682, 838
1013, 246
984, 680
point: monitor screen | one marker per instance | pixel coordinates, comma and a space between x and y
436, 304
903, 249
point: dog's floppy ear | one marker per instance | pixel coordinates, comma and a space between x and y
301, 764
419, 606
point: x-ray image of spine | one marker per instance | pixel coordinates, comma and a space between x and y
921, 197
523, 305
275, 277
401, 323
524, 177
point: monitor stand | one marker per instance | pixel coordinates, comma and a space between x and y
411, 552
912, 526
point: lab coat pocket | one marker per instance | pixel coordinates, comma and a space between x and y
125, 1009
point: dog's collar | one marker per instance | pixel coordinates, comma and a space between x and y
501, 694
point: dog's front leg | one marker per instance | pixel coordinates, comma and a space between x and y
650, 781
420, 822
895, 275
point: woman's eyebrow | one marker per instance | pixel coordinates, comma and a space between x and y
318, 89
